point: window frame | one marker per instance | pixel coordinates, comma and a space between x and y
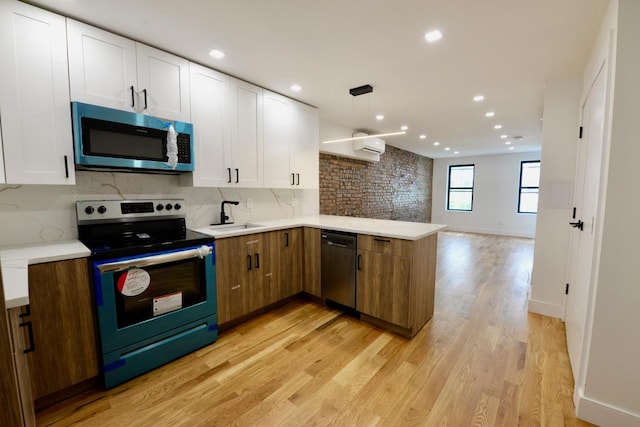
449, 187
521, 187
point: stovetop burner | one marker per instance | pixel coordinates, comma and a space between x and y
112, 228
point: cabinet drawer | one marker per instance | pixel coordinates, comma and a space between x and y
248, 242
385, 245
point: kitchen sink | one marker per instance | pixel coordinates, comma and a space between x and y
233, 227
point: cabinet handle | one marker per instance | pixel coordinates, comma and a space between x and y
27, 311
133, 98
257, 260
293, 179
249, 267
32, 345
237, 176
145, 98
66, 166
298, 177
382, 240
286, 236
229, 172
359, 262
233, 288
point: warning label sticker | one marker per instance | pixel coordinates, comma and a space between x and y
133, 282
167, 303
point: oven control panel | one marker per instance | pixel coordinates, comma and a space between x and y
110, 210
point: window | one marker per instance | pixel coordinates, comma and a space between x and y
529, 187
460, 191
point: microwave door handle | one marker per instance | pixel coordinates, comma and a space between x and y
200, 252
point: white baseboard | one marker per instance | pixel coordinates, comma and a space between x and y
605, 415
491, 231
546, 309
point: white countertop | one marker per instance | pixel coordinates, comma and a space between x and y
375, 227
14, 262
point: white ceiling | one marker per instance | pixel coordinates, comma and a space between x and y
503, 49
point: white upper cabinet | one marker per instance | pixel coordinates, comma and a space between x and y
112, 71
227, 119
245, 108
163, 84
291, 157
34, 96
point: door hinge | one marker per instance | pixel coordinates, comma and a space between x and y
580, 136
566, 290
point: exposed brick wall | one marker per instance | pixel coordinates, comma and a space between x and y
397, 187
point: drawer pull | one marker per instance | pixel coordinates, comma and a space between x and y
32, 345
359, 262
233, 288
249, 262
377, 239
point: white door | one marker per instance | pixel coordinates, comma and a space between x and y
2, 179
163, 84
587, 191
211, 131
245, 110
102, 67
34, 96
306, 163
279, 132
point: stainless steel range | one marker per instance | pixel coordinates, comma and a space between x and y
154, 283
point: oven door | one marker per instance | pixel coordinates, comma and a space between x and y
149, 296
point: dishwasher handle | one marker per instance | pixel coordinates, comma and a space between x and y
340, 245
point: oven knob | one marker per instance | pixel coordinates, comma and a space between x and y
102, 209
88, 210
169, 207
177, 206
159, 207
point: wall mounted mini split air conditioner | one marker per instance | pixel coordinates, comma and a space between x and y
369, 145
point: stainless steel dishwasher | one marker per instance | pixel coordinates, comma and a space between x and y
338, 261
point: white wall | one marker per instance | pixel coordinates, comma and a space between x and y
495, 197
557, 171
38, 213
612, 374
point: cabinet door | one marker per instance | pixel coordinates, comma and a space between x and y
383, 287
62, 316
245, 111
290, 256
312, 241
34, 96
233, 283
102, 67
2, 179
209, 118
306, 164
163, 84
264, 272
279, 131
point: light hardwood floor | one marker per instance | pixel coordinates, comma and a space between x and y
481, 361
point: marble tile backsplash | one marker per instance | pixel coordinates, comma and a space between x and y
34, 213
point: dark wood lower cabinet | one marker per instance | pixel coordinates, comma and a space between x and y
311, 275
290, 261
62, 318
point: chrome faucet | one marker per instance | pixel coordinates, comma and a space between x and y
223, 216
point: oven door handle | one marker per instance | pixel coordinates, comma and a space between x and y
200, 252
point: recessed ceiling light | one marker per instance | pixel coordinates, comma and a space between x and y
433, 36
489, 114
447, 149
296, 88
497, 127
503, 136
478, 98
511, 148
218, 54
456, 152
423, 136
404, 127
379, 117
507, 143
436, 143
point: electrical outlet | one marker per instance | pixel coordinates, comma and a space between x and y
294, 201
249, 203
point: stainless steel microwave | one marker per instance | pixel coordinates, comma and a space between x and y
123, 140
